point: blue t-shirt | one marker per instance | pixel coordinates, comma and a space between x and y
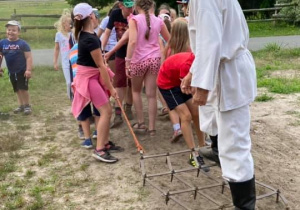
13, 51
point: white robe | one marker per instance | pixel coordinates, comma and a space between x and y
223, 65
219, 37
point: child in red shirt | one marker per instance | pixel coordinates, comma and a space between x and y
169, 78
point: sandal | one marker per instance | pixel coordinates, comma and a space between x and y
152, 133
139, 127
163, 111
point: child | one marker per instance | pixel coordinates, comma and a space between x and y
143, 60
84, 117
62, 37
178, 42
90, 69
169, 78
18, 58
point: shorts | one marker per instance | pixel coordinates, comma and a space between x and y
111, 57
19, 81
174, 97
139, 69
120, 79
87, 112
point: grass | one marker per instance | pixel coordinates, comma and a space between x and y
265, 29
264, 98
37, 38
273, 58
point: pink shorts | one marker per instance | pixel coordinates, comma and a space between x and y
99, 96
141, 68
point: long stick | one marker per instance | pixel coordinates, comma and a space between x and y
137, 143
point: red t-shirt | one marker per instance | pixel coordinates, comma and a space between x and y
173, 69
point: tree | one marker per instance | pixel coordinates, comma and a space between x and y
292, 13
94, 3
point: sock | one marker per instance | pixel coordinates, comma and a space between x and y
176, 126
118, 111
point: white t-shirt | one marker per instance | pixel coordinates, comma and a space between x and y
64, 48
112, 40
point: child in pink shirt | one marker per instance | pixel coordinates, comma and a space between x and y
143, 60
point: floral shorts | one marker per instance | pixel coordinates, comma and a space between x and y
141, 68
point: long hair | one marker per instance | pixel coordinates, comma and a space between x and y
146, 5
59, 25
78, 24
114, 6
179, 40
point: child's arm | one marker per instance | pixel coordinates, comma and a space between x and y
56, 53
28, 57
1, 70
97, 57
119, 44
131, 45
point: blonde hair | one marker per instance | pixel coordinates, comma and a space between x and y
179, 40
59, 25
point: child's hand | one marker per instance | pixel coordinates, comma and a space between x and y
185, 85
56, 67
128, 72
27, 74
113, 93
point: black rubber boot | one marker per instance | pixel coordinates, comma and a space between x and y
211, 152
243, 194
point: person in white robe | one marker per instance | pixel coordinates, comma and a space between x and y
224, 72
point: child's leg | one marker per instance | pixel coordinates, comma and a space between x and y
86, 128
195, 117
103, 125
67, 76
186, 128
23, 97
150, 84
136, 86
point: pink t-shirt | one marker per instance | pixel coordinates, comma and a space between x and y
144, 48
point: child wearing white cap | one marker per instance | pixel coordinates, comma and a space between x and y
18, 59
87, 86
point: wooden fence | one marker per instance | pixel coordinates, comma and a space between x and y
19, 17
275, 16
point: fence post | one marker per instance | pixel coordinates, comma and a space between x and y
275, 13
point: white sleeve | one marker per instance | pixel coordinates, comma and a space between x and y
104, 23
205, 25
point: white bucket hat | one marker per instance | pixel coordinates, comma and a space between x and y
82, 11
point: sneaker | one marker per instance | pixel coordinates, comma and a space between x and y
80, 133
176, 136
209, 153
27, 110
94, 135
88, 144
199, 162
19, 109
111, 147
117, 121
104, 156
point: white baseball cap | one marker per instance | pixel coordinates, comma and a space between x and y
82, 11
13, 23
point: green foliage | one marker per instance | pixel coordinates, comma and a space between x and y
264, 98
292, 13
94, 3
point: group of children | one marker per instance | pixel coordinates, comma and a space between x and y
143, 42
139, 54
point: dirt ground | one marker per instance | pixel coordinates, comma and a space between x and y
52, 153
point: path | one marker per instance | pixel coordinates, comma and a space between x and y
45, 56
